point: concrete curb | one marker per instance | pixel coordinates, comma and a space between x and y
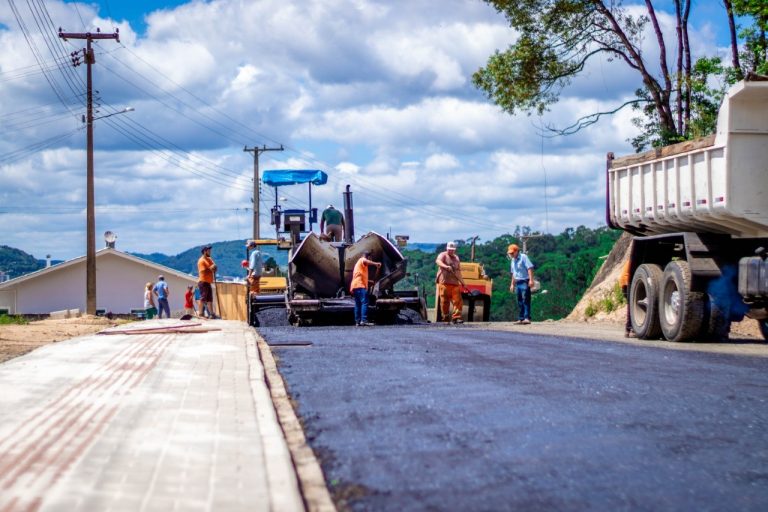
311, 478
284, 491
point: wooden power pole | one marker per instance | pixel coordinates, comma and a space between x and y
90, 254
256, 152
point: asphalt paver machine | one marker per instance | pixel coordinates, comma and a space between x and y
320, 272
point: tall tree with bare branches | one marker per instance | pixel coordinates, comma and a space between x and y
556, 39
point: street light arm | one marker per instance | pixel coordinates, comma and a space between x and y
124, 111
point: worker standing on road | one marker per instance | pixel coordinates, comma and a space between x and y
359, 288
450, 284
521, 269
255, 266
332, 224
624, 283
206, 269
162, 292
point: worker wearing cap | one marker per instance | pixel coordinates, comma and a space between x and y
162, 292
206, 269
332, 224
255, 264
359, 288
521, 269
449, 284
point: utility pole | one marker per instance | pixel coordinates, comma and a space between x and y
90, 253
256, 152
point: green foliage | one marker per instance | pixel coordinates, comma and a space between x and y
591, 310
607, 304
17, 263
13, 319
565, 265
556, 38
754, 53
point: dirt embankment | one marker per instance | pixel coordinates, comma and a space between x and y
16, 340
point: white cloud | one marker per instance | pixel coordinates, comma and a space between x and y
375, 93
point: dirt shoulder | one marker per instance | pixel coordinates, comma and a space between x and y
16, 340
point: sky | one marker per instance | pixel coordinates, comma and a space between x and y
376, 93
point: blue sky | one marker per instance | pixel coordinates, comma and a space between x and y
376, 93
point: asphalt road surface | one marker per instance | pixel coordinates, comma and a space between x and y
458, 418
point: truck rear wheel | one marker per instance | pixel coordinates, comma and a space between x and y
644, 301
681, 308
717, 320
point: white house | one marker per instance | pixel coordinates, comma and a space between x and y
120, 282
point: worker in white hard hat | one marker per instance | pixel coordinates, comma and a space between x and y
332, 224
449, 284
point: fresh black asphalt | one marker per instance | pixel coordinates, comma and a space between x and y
455, 418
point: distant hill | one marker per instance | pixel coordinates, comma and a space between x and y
227, 255
16, 262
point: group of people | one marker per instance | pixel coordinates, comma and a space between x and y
450, 283
161, 291
156, 294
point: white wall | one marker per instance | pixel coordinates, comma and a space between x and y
119, 287
8, 301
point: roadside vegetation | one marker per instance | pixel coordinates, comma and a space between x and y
13, 319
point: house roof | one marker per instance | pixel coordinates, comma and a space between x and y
161, 269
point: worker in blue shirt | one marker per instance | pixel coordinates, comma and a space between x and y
161, 291
521, 269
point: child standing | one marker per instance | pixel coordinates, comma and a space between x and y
189, 304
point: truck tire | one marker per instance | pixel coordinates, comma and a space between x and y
644, 301
763, 328
717, 320
681, 309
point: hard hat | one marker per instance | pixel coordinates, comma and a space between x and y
512, 247
450, 245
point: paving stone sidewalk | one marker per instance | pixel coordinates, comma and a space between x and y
142, 423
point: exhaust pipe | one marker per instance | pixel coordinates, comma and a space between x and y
349, 218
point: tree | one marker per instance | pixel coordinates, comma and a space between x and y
558, 37
755, 53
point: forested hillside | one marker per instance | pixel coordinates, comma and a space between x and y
16, 262
565, 265
227, 255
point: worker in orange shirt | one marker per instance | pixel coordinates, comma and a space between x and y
206, 269
624, 283
450, 283
359, 288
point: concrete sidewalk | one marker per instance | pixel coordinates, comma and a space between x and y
143, 422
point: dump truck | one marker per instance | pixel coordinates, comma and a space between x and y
698, 211
320, 272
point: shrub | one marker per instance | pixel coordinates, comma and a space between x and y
14, 319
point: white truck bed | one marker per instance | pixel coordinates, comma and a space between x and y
718, 184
